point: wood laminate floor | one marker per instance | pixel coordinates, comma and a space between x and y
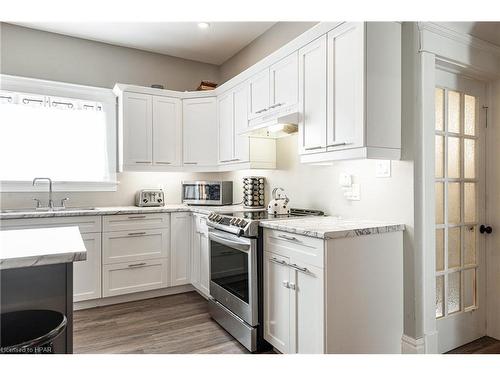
172, 324
484, 345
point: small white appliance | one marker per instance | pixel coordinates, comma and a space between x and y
150, 198
279, 205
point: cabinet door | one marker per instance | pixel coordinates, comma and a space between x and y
204, 264
277, 301
180, 248
87, 274
307, 309
312, 96
258, 94
240, 108
195, 256
345, 86
200, 131
284, 77
226, 127
167, 131
137, 129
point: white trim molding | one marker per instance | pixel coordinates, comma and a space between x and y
462, 50
410, 345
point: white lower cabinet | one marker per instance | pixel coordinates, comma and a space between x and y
87, 274
342, 295
135, 253
293, 308
200, 277
138, 276
180, 248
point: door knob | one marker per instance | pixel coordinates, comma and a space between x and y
485, 229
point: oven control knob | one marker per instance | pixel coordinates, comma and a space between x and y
243, 223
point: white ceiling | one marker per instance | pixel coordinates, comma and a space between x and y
181, 39
488, 31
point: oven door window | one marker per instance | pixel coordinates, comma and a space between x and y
229, 269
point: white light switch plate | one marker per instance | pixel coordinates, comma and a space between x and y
383, 168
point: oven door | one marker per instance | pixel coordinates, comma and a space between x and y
233, 274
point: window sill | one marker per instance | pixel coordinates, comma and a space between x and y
62, 186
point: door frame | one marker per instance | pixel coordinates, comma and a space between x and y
436, 46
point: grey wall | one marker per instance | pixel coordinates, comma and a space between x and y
274, 38
39, 54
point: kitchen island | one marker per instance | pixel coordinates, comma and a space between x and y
36, 273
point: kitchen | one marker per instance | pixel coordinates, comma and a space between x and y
294, 179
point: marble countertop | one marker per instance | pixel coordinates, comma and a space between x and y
42, 246
119, 210
330, 227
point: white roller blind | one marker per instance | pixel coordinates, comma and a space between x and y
61, 138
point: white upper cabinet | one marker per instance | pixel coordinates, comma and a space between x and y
363, 75
258, 94
345, 86
167, 131
240, 115
236, 149
312, 96
284, 76
226, 127
137, 129
200, 131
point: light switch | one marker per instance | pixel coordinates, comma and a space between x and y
383, 168
345, 180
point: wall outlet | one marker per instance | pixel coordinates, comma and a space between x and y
353, 194
383, 168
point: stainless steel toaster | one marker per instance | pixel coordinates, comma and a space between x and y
150, 198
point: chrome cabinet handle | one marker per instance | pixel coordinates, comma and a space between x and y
274, 260
301, 269
162, 162
191, 162
338, 144
137, 234
291, 286
137, 264
137, 217
142, 162
286, 284
276, 105
289, 238
262, 110
9, 98
313, 148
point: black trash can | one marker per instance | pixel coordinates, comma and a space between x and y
30, 331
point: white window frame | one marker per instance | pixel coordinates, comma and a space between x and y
61, 89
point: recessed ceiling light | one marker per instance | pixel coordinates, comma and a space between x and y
203, 25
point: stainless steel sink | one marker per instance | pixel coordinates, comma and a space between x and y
34, 210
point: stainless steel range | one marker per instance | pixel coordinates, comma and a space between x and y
236, 264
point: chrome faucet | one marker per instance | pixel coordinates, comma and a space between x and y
51, 202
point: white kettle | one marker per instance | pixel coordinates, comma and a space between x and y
279, 205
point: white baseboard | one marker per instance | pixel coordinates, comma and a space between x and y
423, 345
409, 345
133, 297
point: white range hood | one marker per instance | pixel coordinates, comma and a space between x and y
278, 124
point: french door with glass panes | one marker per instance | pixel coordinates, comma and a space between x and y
460, 201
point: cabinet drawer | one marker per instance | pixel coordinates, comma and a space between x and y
130, 277
302, 248
135, 222
86, 224
128, 246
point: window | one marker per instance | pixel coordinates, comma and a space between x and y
69, 138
